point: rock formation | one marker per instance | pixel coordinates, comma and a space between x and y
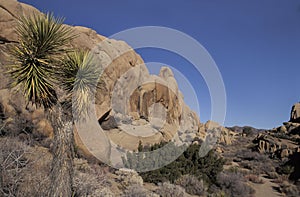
226, 136
295, 113
281, 141
275, 146
131, 104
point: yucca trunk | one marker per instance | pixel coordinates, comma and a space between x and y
61, 176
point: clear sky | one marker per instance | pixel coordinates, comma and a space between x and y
255, 44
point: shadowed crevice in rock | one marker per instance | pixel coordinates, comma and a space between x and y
107, 122
4, 40
2, 116
6, 10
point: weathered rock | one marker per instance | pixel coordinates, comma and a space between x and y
225, 136
156, 100
266, 143
285, 153
282, 129
295, 113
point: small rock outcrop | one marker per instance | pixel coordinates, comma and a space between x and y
281, 141
226, 136
275, 146
295, 113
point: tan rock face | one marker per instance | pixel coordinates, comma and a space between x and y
295, 113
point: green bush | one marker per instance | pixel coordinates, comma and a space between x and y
203, 168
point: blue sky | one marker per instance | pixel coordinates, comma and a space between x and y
255, 44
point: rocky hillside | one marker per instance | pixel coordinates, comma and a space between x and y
137, 110
269, 159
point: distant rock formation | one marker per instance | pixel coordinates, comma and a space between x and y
271, 144
295, 113
281, 141
226, 136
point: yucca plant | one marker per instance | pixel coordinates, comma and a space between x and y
42, 63
79, 78
42, 41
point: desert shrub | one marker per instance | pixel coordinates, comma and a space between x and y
280, 179
206, 168
88, 178
256, 162
248, 131
103, 192
169, 190
249, 155
286, 169
246, 164
12, 163
233, 184
234, 169
23, 170
272, 175
84, 184
289, 189
267, 166
191, 184
215, 191
136, 191
254, 179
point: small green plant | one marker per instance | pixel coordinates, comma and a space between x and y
287, 169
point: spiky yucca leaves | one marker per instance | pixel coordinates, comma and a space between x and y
79, 77
42, 41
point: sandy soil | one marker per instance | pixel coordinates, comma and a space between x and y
268, 189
